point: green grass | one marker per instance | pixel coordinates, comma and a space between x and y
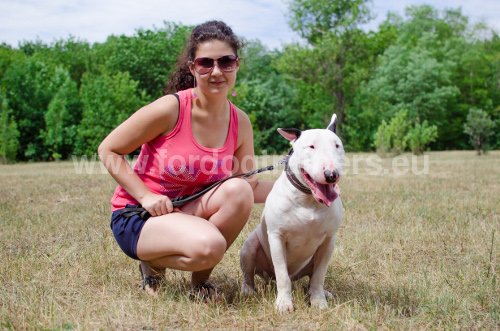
414, 252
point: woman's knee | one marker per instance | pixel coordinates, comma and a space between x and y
209, 251
238, 191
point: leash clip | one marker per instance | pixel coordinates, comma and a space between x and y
284, 160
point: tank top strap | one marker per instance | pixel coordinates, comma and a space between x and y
233, 126
185, 104
184, 98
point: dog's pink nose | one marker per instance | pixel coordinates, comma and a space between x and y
331, 176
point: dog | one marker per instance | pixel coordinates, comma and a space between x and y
301, 216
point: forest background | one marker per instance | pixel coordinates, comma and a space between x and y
425, 80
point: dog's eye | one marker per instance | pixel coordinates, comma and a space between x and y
337, 145
311, 146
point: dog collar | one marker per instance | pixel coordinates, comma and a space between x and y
293, 179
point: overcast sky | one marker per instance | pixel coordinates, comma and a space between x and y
94, 20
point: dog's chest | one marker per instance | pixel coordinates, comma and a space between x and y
303, 236
304, 224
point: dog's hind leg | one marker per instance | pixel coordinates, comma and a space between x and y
248, 259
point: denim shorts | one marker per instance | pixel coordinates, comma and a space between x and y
127, 229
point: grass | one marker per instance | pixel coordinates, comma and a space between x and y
414, 252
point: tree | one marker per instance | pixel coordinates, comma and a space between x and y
107, 101
62, 118
7, 56
9, 135
76, 56
479, 127
438, 69
336, 57
148, 56
30, 86
314, 19
266, 97
410, 79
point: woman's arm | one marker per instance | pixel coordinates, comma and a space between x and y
245, 158
144, 125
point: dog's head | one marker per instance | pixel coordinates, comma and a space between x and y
317, 159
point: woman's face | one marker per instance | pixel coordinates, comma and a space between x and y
216, 81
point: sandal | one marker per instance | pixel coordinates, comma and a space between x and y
151, 283
205, 292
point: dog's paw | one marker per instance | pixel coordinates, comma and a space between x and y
329, 295
319, 300
284, 304
319, 303
247, 290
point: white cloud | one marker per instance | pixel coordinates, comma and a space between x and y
479, 10
94, 20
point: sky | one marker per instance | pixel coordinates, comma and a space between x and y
95, 20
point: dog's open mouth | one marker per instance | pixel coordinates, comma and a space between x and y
323, 193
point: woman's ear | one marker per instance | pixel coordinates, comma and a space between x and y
190, 66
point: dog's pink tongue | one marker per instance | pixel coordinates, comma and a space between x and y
324, 193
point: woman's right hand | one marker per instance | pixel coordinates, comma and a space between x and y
157, 204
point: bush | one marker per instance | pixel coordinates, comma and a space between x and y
391, 138
396, 136
9, 135
383, 138
479, 127
420, 136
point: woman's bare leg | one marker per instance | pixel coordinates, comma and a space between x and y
228, 208
186, 241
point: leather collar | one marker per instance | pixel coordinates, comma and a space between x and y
293, 179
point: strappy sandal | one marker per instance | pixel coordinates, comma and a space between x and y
205, 292
151, 284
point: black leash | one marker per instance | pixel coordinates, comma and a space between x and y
128, 212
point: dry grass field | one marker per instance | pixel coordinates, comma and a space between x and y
418, 249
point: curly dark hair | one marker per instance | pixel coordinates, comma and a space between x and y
181, 77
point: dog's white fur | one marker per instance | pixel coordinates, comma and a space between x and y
296, 236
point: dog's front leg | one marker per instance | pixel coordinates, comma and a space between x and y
317, 282
284, 284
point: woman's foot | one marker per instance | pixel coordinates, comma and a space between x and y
205, 291
151, 278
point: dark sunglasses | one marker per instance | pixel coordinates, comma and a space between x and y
226, 63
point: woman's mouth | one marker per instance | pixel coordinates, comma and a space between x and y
218, 83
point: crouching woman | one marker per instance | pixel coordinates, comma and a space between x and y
190, 138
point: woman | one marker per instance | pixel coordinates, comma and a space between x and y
189, 139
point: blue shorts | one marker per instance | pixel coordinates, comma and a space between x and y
126, 229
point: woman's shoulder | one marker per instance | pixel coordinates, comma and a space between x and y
161, 114
243, 119
245, 130
166, 105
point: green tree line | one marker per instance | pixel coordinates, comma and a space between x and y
418, 81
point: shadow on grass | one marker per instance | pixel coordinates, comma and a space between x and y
403, 300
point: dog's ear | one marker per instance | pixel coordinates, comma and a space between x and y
290, 134
333, 124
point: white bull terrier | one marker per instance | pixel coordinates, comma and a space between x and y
302, 214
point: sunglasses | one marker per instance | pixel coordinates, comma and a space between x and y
205, 65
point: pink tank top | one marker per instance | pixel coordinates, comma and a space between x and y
176, 164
